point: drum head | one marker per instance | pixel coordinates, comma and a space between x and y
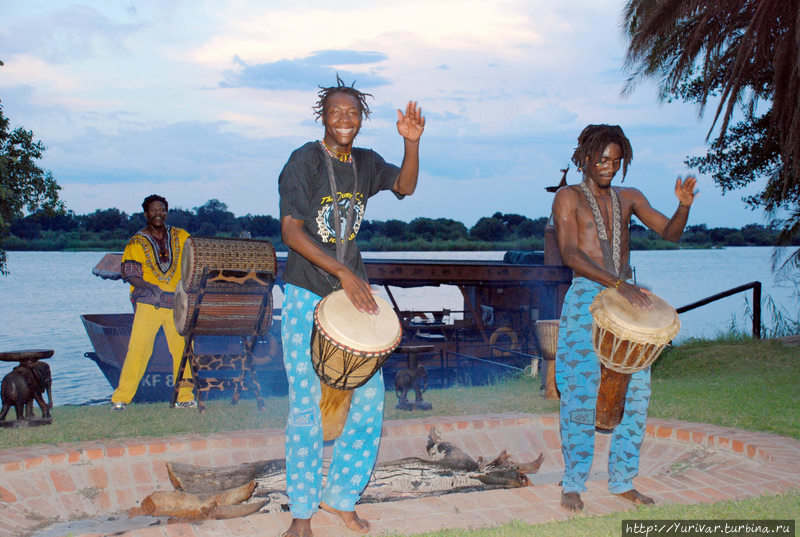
187, 264
345, 326
613, 312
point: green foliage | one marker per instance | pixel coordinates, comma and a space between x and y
745, 54
430, 229
736, 381
216, 213
23, 184
43, 230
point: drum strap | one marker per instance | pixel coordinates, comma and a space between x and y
610, 247
341, 239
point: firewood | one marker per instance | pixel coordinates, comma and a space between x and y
189, 506
449, 469
199, 480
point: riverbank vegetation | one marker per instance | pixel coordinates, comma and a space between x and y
110, 229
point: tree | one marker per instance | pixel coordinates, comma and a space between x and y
176, 217
436, 229
216, 213
392, 229
489, 229
104, 220
744, 52
23, 184
261, 225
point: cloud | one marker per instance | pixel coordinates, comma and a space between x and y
302, 73
66, 34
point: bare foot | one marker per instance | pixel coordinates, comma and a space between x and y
350, 518
300, 527
636, 497
571, 501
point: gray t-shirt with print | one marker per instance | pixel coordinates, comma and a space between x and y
305, 194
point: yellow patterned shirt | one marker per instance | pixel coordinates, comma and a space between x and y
141, 258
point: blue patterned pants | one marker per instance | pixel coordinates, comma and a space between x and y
354, 452
578, 378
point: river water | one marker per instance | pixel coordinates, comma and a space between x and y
46, 292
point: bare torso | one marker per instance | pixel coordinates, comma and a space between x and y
577, 231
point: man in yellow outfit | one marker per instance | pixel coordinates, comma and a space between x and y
151, 264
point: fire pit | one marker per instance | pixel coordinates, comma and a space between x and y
680, 462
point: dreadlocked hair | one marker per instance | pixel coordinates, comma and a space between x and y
595, 138
340, 87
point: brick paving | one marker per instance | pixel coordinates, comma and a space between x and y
681, 462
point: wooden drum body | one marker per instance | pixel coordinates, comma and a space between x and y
626, 340
239, 261
230, 279
347, 348
231, 313
547, 339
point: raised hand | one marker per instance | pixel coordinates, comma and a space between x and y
411, 124
685, 190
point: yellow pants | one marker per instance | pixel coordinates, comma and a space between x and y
146, 322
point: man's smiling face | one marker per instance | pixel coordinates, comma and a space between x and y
342, 120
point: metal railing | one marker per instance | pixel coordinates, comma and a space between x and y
493, 348
755, 286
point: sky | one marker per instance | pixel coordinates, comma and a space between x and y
198, 100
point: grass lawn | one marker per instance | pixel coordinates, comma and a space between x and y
741, 383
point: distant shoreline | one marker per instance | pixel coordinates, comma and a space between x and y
416, 245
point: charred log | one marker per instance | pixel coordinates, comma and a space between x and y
448, 470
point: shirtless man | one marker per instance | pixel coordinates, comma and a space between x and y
592, 221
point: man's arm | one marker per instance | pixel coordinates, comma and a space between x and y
357, 290
410, 126
670, 229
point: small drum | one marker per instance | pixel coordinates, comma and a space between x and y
242, 261
547, 339
626, 340
223, 312
347, 348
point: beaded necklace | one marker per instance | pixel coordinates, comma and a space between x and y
341, 157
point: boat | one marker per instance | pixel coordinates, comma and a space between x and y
491, 335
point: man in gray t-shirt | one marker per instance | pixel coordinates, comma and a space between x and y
324, 188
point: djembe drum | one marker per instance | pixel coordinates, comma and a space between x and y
347, 348
547, 339
229, 278
626, 339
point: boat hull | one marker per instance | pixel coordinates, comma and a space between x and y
110, 334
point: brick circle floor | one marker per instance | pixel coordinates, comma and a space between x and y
681, 462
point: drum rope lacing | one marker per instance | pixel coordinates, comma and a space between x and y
354, 360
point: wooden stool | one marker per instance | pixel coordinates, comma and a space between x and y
415, 377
